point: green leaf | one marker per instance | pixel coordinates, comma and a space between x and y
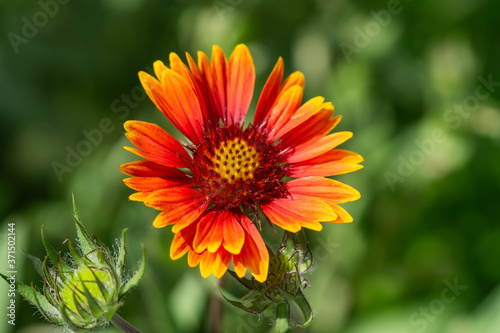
305, 308
54, 318
134, 281
258, 306
282, 318
84, 239
54, 256
91, 301
29, 294
37, 263
47, 277
101, 286
82, 312
120, 264
244, 281
74, 327
74, 253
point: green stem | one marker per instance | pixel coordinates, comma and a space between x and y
282, 319
123, 325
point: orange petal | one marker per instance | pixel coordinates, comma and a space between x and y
219, 80
180, 243
139, 196
170, 198
314, 148
234, 236
182, 218
204, 91
216, 236
203, 232
328, 190
221, 263
318, 124
287, 105
342, 215
154, 141
334, 162
269, 93
183, 108
307, 110
240, 84
299, 211
145, 184
254, 254
180, 68
194, 258
296, 78
239, 267
152, 169
216, 263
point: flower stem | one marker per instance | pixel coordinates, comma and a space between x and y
282, 319
123, 325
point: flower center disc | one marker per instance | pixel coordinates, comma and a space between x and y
236, 167
235, 160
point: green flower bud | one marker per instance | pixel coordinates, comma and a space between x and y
86, 292
284, 283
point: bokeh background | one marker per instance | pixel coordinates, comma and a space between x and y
418, 82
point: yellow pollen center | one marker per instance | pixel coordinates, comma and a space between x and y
235, 160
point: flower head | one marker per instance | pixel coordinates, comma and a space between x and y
86, 292
212, 187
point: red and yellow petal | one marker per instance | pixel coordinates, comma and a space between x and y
180, 205
299, 211
156, 144
253, 255
269, 93
281, 113
332, 163
318, 147
218, 69
152, 169
240, 84
325, 189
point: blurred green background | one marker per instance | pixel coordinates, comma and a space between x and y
418, 82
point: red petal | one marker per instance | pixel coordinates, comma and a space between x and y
334, 162
269, 93
203, 232
342, 215
157, 143
292, 213
317, 125
219, 80
183, 108
240, 84
281, 113
254, 253
165, 199
307, 110
234, 236
177, 217
314, 148
152, 169
328, 190
145, 184
181, 242
203, 89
